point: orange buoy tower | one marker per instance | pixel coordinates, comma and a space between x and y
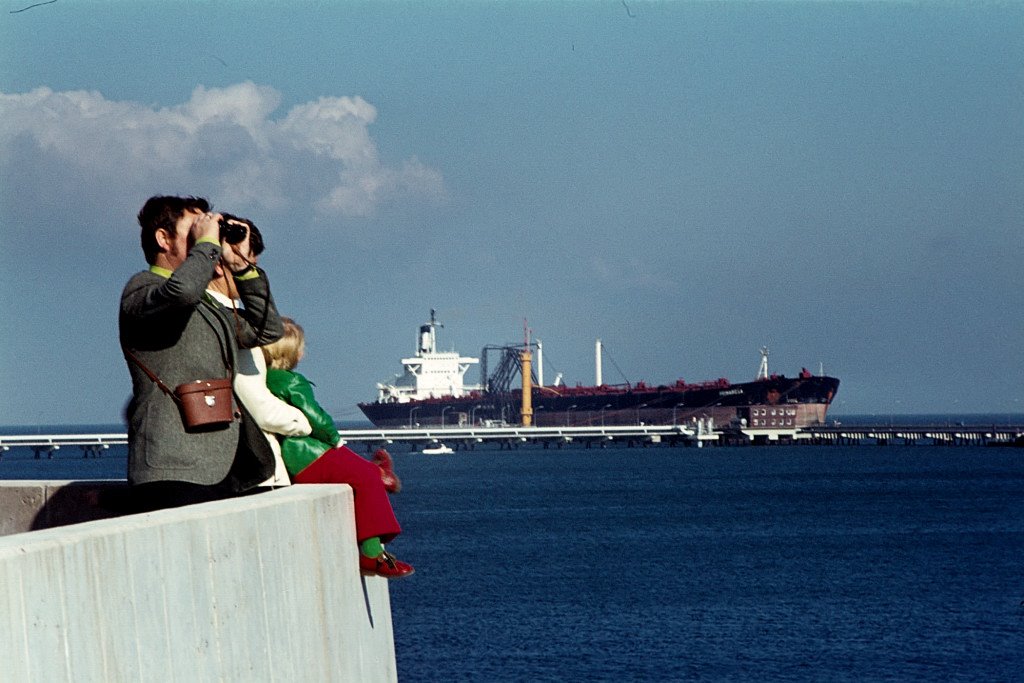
526, 363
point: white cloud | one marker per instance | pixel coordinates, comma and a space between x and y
222, 143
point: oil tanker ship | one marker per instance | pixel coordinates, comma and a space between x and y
432, 392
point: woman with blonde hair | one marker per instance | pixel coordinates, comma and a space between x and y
318, 459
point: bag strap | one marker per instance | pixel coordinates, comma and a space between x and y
227, 360
152, 376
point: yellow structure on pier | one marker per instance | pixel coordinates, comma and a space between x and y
526, 358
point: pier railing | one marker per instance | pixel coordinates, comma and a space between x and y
91, 445
511, 436
910, 434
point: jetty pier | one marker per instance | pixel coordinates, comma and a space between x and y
91, 445
911, 434
691, 435
510, 437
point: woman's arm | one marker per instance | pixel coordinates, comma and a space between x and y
271, 413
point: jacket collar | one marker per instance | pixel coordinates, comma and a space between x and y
223, 299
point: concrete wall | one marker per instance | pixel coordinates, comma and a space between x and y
33, 505
260, 588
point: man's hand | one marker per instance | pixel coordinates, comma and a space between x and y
232, 254
205, 225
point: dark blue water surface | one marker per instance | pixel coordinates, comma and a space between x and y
779, 563
776, 563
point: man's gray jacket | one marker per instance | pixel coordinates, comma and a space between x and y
181, 335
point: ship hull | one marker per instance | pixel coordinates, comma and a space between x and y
772, 403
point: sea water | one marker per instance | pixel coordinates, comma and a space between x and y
776, 563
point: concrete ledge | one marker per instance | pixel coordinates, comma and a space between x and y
265, 587
31, 505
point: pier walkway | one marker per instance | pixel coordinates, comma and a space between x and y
597, 436
91, 445
511, 436
910, 434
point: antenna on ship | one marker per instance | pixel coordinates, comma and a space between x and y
762, 370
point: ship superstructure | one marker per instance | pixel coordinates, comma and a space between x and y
430, 373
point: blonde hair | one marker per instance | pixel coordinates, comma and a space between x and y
284, 354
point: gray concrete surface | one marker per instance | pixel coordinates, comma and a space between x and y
260, 588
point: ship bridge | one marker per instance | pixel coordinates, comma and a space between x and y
430, 373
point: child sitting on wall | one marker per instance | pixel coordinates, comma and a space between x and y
318, 459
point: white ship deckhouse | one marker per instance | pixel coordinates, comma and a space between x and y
430, 373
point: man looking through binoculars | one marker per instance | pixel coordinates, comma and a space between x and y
172, 335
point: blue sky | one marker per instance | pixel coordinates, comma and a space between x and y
843, 182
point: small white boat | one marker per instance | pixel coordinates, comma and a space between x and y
439, 449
